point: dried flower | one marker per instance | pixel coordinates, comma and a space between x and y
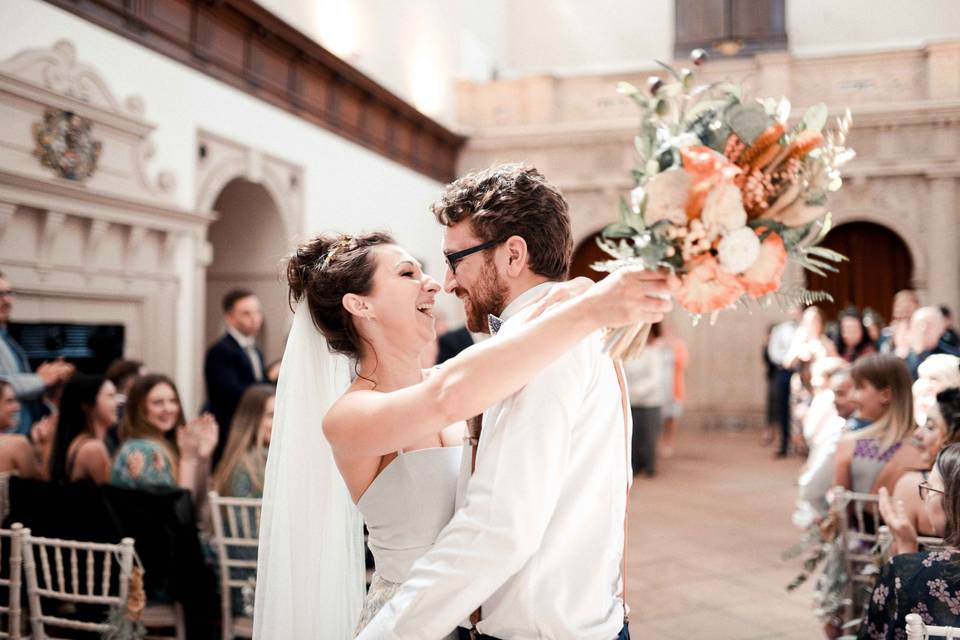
738, 250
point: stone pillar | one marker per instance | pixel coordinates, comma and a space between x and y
943, 70
943, 239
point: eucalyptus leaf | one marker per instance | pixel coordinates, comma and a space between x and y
670, 70
748, 121
627, 89
618, 230
815, 118
827, 254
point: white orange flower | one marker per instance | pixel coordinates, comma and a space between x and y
738, 250
765, 274
667, 197
705, 287
723, 209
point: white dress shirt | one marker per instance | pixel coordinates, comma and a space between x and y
780, 340
249, 346
538, 540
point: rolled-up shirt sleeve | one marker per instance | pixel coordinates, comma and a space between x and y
521, 462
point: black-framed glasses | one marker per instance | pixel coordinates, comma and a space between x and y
925, 490
457, 256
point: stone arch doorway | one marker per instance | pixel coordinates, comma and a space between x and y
880, 264
585, 254
248, 244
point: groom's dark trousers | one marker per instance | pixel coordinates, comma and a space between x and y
464, 634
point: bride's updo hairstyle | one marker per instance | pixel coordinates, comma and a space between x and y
327, 268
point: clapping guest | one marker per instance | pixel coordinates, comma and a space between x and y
879, 454
926, 330
903, 511
234, 362
923, 583
28, 386
87, 411
241, 470
895, 338
122, 373
158, 446
17, 455
853, 340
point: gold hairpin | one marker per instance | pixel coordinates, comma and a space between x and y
343, 244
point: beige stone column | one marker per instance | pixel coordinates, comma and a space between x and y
943, 241
943, 70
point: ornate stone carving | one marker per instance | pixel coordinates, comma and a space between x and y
65, 144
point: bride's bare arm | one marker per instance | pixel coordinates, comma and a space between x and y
370, 423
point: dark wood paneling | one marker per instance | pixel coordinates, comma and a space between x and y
759, 25
242, 44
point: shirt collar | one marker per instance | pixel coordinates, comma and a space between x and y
517, 304
242, 340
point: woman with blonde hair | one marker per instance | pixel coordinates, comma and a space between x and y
882, 452
241, 470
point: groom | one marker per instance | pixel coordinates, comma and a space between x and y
536, 547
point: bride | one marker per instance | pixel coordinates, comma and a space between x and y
393, 435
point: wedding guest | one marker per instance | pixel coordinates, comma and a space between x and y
453, 342
15, 367
809, 344
895, 338
950, 336
873, 322
879, 454
241, 471
87, 411
923, 583
853, 340
822, 411
645, 375
17, 455
158, 446
673, 402
781, 339
903, 511
937, 373
926, 330
234, 362
122, 373
818, 476
771, 367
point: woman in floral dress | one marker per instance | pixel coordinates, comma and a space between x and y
925, 583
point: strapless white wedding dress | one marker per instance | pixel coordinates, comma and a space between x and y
405, 508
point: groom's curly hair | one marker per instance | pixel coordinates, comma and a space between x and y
513, 200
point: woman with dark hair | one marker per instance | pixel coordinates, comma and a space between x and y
903, 511
87, 410
926, 583
396, 430
158, 446
853, 339
17, 454
240, 473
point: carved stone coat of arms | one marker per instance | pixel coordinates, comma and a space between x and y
65, 144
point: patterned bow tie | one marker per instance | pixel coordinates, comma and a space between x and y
494, 323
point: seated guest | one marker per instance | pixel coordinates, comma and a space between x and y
879, 454
903, 512
158, 446
853, 340
817, 478
87, 410
873, 322
926, 329
241, 470
17, 454
923, 583
122, 373
937, 373
895, 338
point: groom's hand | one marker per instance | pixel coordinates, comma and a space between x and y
631, 295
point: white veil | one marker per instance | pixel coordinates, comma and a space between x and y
310, 568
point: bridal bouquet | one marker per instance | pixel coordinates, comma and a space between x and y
727, 192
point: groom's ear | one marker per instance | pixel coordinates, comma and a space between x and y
357, 306
517, 255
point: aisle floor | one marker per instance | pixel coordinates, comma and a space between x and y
706, 539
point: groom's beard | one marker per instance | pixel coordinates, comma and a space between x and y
489, 296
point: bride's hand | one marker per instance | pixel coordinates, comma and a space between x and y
557, 294
629, 296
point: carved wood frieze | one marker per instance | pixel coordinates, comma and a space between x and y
242, 44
